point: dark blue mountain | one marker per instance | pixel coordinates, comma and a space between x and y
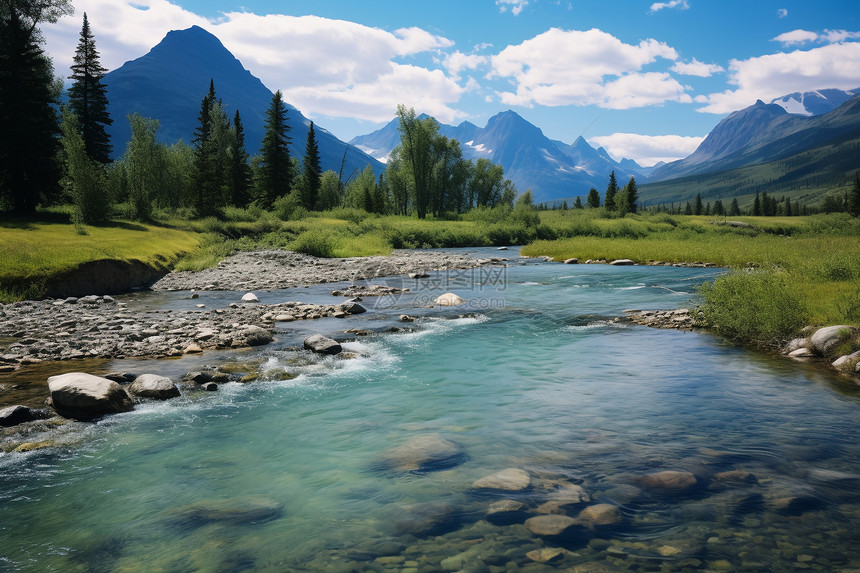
550, 169
170, 81
816, 102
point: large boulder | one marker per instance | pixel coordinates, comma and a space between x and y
154, 386
251, 335
322, 344
825, 339
84, 396
422, 453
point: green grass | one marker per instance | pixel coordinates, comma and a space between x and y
32, 253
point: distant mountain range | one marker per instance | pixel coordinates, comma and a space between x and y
805, 153
802, 144
550, 169
170, 81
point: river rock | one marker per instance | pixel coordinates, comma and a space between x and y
600, 514
847, 361
669, 480
549, 524
236, 511
571, 261
511, 479
622, 262
424, 453
448, 299
825, 339
154, 386
353, 308
250, 297
84, 396
545, 554
322, 344
795, 344
251, 335
14, 415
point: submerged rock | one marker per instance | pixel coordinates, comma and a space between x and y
549, 524
511, 479
84, 396
669, 480
422, 453
600, 514
154, 386
237, 511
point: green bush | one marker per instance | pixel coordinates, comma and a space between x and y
314, 242
764, 307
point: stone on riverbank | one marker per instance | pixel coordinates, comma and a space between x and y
251, 335
14, 415
825, 339
322, 345
84, 396
622, 262
154, 386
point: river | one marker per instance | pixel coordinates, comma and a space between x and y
294, 474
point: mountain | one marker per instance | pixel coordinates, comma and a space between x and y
763, 133
814, 103
550, 169
170, 81
764, 148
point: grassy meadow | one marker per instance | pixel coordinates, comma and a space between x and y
788, 271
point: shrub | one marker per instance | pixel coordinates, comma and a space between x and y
314, 242
764, 308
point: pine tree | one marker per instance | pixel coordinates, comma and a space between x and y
688, 210
699, 208
593, 199
88, 97
210, 155
275, 168
632, 195
611, 191
854, 196
757, 206
29, 171
312, 171
734, 208
578, 203
240, 170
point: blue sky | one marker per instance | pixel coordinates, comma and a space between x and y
646, 80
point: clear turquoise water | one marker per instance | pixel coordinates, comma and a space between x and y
535, 376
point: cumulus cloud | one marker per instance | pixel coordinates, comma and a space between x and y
647, 150
587, 68
782, 13
456, 62
774, 75
796, 37
696, 68
324, 67
679, 4
516, 6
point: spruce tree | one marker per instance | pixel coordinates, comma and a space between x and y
312, 171
29, 171
699, 207
578, 203
210, 148
240, 170
275, 168
632, 195
593, 199
756, 206
611, 191
734, 208
88, 97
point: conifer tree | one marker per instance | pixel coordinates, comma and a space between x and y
611, 191
88, 97
29, 172
578, 203
593, 199
756, 206
699, 208
632, 195
240, 170
275, 167
312, 171
854, 197
734, 208
210, 148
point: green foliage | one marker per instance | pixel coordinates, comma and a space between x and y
593, 198
144, 166
84, 178
314, 242
760, 307
312, 171
276, 168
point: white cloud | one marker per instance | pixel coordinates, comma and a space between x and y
516, 6
647, 150
324, 67
679, 4
586, 68
800, 37
456, 62
696, 68
774, 75
782, 13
